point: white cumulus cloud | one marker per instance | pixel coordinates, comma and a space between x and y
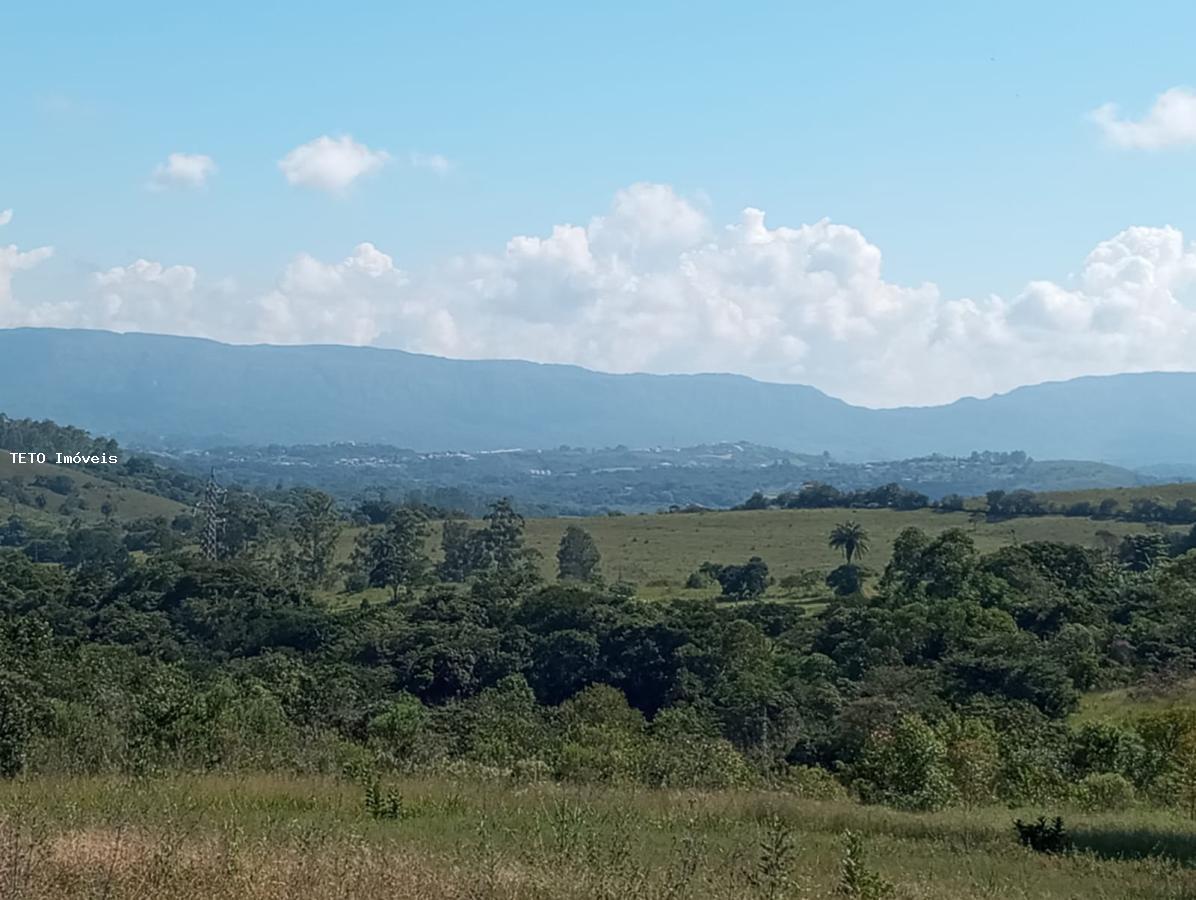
1170, 122
653, 284
14, 259
331, 164
187, 170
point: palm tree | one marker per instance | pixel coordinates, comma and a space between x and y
851, 538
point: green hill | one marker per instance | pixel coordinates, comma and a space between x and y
44, 493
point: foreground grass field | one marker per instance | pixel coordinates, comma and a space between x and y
275, 837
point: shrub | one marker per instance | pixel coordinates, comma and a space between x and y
356, 582
530, 771
380, 805
905, 766
695, 761
15, 727
808, 580
1043, 836
855, 878
810, 783
1104, 792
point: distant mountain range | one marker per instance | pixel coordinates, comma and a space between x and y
157, 389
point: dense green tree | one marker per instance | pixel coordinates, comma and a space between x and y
577, 556
395, 556
745, 582
507, 567
1140, 552
503, 540
315, 531
459, 547
98, 548
845, 580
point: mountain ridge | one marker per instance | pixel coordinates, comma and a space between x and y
151, 388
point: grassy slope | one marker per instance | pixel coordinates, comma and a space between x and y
1123, 704
1167, 493
274, 837
129, 503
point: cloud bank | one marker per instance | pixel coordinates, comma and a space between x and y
654, 285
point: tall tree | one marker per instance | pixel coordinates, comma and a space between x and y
850, 539
395, 556
577, 556
315, 530
504, 536
463, 549
506, 567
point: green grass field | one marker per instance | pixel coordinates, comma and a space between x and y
1166, 493
268, 837
670, 546
658, 551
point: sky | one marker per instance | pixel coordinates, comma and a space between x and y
896, 203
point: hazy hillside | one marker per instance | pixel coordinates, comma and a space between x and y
153, 387
581, 481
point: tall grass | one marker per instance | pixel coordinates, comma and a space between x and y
274, 837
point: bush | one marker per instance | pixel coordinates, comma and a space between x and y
810, 581
356, 582
810, 783
694, 761
530, 771
15, 727
1043, 836
383, 805
856, 879
906, 767
1104, 792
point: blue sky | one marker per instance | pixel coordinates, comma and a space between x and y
957, 140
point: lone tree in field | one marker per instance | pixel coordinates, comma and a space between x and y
850, 538
577, 557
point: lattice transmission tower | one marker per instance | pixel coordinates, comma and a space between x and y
211, 513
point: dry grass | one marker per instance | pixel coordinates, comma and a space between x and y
273, 837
